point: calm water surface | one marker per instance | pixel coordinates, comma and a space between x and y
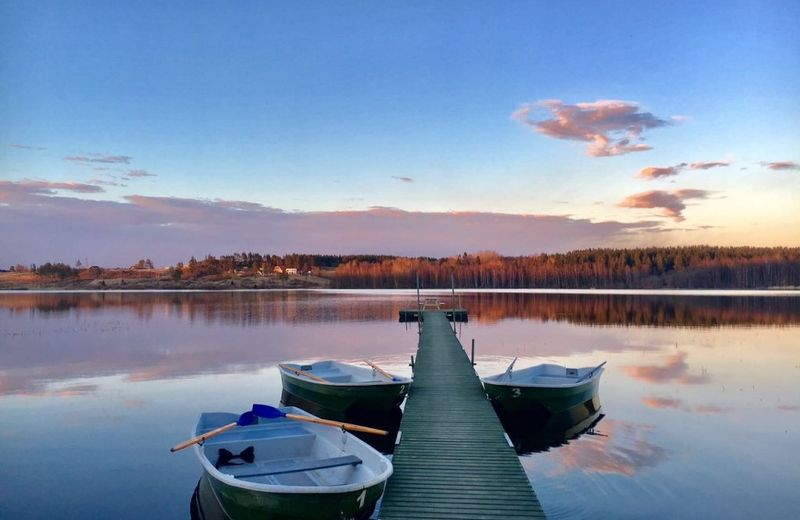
700, 398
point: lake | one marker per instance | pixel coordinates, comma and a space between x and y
700, 395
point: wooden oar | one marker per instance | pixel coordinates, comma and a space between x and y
590, 372
379, 369
301, 373
202, 438
345, 426
270, 412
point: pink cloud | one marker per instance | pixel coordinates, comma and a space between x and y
782, 165
610, 127
671, 203
9, 190
167, 229
655, 172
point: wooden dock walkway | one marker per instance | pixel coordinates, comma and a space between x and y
453, 460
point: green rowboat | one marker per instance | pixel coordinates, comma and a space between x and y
285, 469
542, 389
343, 387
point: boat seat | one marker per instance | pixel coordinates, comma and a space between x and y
339, 379
333, 376
279, 467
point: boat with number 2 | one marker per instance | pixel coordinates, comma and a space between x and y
344, 387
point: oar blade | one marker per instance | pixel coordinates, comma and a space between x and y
267, 412
247, 418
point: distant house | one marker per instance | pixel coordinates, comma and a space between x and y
291, 271
277, 269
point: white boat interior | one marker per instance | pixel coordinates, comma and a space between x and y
290, 455
343, 373
546, 375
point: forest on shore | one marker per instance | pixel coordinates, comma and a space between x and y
688, 267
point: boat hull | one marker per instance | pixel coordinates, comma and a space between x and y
518, 399
347, 398
246, 504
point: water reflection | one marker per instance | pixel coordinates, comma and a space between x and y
204, 504
674, 368
698, 392
251, 308
536, 432
52, 337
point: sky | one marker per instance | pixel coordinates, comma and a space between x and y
166, 130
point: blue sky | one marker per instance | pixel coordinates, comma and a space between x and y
327, 110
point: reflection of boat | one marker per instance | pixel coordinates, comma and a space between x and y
383, 420
279, 468
532, 433
542, 389
344, 387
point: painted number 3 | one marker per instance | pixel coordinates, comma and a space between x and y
515, 392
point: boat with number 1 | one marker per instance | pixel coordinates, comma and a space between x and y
280, 468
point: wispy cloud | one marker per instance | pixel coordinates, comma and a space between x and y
671, 203
103, 182
11, 191
139, 173
610, 127
402, 179
100, 158
26, 147
656, 172
782, 165
707, 165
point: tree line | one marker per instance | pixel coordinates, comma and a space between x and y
701, 267
688, 267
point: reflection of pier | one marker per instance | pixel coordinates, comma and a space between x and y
453, 459
412, 315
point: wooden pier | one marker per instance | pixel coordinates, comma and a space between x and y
454, 460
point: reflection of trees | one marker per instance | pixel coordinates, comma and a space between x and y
635, 310
229, 307
254, 308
